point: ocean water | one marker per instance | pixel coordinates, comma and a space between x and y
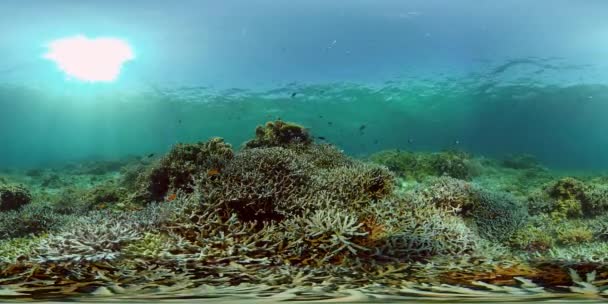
314, 151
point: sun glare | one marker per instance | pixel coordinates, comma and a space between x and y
91, 60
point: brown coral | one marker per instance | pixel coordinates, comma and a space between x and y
279, 134
13, 196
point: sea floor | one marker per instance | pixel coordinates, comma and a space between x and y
299, 221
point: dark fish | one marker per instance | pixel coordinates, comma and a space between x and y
179, 121
151, 155
410, 141
362, 127
320, 116
294, 94
330, 123
321, 137
375, 141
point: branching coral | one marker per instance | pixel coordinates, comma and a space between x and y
326, 235
415, 229
264, 183
354, 185
447, 192
91, 238
17, 249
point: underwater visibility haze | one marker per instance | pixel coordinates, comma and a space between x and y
350, 151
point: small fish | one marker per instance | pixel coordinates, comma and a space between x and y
179, 121
293, 95
361, 128
375, 141
151, 155
410, 141
213, 172
171, 197
321, 116
330, 123
321, 137
457, 142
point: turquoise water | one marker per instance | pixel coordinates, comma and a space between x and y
319, 151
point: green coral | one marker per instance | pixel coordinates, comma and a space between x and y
532, 239
574, 235
150, 245
569, 198
16, 249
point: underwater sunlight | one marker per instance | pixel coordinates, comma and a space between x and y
90, 59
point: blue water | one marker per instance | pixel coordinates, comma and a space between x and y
497, 78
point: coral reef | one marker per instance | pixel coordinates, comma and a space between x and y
286, 212
177, 170
417, 166
570, 198
13, 197
497, 215
279, 134
521, 161
34, 218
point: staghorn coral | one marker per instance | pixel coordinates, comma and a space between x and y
354, 185
16, 249
447, 192
152, 245
414, 229
324, 236
101, 235
279, 134
323, 156
12, 197
92, 238
263, 183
